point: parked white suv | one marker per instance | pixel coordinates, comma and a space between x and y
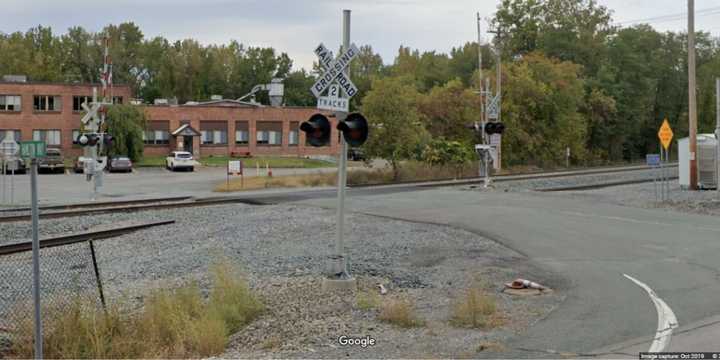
180, 160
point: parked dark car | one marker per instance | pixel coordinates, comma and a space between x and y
53, 161
356, 154
120, 163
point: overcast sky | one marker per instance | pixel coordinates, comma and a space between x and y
297, 26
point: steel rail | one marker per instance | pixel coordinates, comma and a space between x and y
101, 204
598, 185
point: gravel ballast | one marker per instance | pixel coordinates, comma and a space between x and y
282, 249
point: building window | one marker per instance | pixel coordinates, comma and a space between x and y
10, 103
293, 134
213, 132
11, 133
75, 136
242, 135
79, 100
47, 103
50, 137
213, 137
117, 100
269, 133
156, 137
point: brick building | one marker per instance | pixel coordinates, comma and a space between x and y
52, 112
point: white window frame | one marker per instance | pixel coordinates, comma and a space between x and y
57, 103
293, 137
242, 137
17, 134
51, 137
85, 99
11, 100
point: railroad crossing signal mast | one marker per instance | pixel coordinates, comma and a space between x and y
92, 138
489, 127
335, 80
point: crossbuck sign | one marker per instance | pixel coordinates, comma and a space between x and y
334, 79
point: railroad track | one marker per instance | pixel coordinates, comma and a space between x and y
599, 185
73, 210
157, 204
100, 204
80, 237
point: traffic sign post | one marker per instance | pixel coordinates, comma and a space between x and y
33, 150
665, 134
8, 149
340, 88
653, 161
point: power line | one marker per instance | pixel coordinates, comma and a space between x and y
672, 17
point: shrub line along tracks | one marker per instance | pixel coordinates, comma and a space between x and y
72, 210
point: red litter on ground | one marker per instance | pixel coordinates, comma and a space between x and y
524, 284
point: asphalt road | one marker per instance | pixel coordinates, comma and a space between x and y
141, 183
589, 245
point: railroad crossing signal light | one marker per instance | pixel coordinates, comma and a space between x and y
317, 130
88, 139
494, 128
354, 129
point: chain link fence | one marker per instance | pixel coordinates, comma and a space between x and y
68, 273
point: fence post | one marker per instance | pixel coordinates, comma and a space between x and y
97, 274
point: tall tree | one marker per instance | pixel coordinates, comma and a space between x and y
396, 127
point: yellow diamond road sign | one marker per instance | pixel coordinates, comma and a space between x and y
665, 134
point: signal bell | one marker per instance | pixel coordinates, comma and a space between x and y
317, 130
354, 129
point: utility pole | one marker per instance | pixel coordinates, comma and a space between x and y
498, 65
480, 75
717, 133
692, 105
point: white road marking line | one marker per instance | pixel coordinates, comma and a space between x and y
666, 318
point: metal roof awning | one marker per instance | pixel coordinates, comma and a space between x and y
185, 130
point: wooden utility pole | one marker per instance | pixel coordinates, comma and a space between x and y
692, 105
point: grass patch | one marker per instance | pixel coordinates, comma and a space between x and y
173, 323
367, 300
289, 181
410, 171
475, 309
492, 346
400, 313
275, 162
151, 161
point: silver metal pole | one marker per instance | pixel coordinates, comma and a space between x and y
717, 134
12, 186
480, 79
662, 174
36, 258
342, 165
692, 101
499, 95
4, 180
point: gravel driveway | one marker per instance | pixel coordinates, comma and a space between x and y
282, 249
